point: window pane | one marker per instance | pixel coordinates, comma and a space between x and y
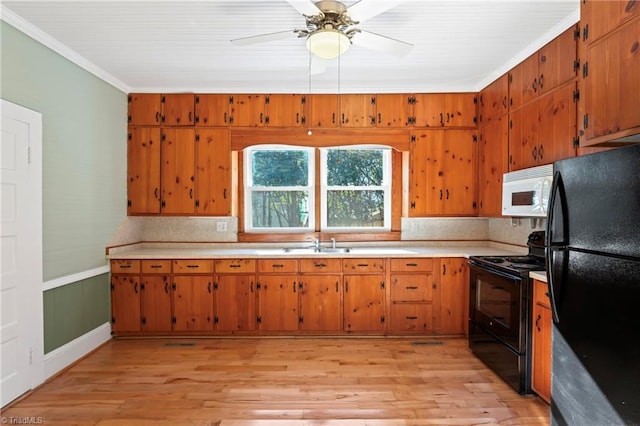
354, 167
280, 209
355, 208
280, 168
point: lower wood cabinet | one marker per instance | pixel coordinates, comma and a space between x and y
541, 341
289, 296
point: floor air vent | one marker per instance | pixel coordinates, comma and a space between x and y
428, 343
174, 344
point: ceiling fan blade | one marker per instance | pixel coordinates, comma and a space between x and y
367, 9
381, 43
305, 7
261, 38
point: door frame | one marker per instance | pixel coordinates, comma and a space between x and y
34, 305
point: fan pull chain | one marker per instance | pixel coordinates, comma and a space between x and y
309, 132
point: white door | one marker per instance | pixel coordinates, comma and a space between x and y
21, 327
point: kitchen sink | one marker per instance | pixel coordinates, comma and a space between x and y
315, 250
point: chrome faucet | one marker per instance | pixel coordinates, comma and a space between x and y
316, 243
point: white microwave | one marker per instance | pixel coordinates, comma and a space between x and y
526, 192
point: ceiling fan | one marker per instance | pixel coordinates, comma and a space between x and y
331, 28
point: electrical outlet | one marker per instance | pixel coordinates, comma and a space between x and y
221, 227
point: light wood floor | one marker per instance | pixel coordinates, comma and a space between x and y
280, 381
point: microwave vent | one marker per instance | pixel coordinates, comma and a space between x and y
530, 173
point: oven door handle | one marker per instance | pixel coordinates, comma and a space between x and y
494, 271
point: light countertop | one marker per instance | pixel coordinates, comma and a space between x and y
538, 275
235, 250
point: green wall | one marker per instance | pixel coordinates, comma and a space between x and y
84, 175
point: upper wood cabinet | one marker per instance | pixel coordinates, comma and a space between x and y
213, 172
357, 110
493, 153
178, 171
144, 109
248, 110
444, 109
143, 170
600, 17
285, 110
554, 64
611, 107
322, 110
212, 110
393, 110
493, 101
442, 172
178, 109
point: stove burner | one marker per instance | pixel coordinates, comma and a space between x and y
528, 260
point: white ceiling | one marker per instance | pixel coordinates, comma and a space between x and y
172, 46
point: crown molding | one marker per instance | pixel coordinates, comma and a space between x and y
8, 16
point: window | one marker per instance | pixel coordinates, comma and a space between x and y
355, 188
353, 183
279, 190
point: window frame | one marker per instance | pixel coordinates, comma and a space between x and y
386, 187
249, 189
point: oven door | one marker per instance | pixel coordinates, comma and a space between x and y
498, 304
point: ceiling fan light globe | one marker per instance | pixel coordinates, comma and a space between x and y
328, 43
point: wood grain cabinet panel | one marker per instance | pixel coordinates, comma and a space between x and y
523, 82
451, 295
178, 109
193, 303
412, 318
322, 110
155, 303
278, 302
541, 342
393, 110
493, 101
143, 170
248, 110
357, 110
557, 60
493, 159
285, 110
125, 303
212, 109
320, 302
144, 109
364, 303
598, 18
412, 287
213, 172
235, 303
178, 171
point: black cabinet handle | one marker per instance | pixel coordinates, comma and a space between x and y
135, 288
193, 266
166, 287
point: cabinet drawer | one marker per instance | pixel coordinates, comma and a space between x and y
156, 266
411, 264
541, 293
362, 265
320, 265
226, 266
125, 266
411, 317
193, 266
411, 288
278, 265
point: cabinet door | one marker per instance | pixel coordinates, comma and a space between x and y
178, 171
212, 110
557, 60
193, 303
278, 302
155, 303
598, 17
523, 82
145, 109
523, 137
493, 158
494, 100
125, 303
213, 172
364, 302
428, 109
178, 109
458, 172
541, 342
393, 110
450, 296
235, 300
411, 287
357, 110
558, 132
460, 110
248, 110
424, 166
320, 297
323, 111
143, 170
612, 82
285, 110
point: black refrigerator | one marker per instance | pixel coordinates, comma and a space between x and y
593, 272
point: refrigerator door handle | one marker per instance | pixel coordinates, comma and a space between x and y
551, 267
